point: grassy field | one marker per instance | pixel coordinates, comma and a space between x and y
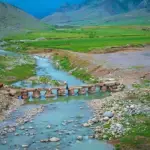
138, 138
11, 70
83, 39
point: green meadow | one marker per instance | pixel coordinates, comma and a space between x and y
83, 39
12, 70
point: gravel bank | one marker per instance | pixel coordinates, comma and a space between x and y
112, 113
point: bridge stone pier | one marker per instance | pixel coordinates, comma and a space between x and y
49, 93
112, 86
61, 91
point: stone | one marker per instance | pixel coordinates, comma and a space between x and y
36, 93
92, 89
1, 85
54, 139
117, 128
16, 134
44, 141
96, 136
132, 106
12, 92
30, 127
108, 114
81, 91
80, 138
25, 146
104, 88
86, 124
61, 92
48, 127
110, 83
4, 142
106, 118
94, 120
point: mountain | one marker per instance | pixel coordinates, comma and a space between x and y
96, 11
12, 19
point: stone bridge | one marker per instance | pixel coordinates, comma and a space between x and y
111, 86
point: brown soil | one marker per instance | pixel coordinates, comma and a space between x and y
128, 65
117, 49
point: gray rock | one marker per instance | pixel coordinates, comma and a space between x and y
12, 92
4, 142
25, 146
108, 114
132, 106
80, 138
106, 118
16, 134
86, 124
54, 139
117, 128
48, 127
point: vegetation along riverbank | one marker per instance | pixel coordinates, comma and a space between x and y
88, 54
16, 68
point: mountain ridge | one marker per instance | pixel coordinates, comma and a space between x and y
13, 19
92, 9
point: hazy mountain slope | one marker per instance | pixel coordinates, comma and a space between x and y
13, 19
95, 11
135, 17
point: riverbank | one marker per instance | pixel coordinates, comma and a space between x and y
13, 67
124, 119
8, 101
122, 111
123, 116
16, 68
123, 66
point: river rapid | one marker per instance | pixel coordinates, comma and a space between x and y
62, 117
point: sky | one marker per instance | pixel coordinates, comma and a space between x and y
40, 8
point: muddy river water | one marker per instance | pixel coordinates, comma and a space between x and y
64, 115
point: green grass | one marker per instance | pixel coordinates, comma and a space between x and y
47, 35
45, 80
83, 39
65, 64
86, 45
138, 138
15, 73
144, 84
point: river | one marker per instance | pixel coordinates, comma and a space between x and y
65, 115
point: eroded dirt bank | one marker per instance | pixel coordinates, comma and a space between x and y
128, 66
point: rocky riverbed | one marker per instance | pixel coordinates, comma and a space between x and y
112, 114
8, 101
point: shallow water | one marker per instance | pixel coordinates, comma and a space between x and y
65, 115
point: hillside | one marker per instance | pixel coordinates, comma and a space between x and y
97, 11
13, 19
